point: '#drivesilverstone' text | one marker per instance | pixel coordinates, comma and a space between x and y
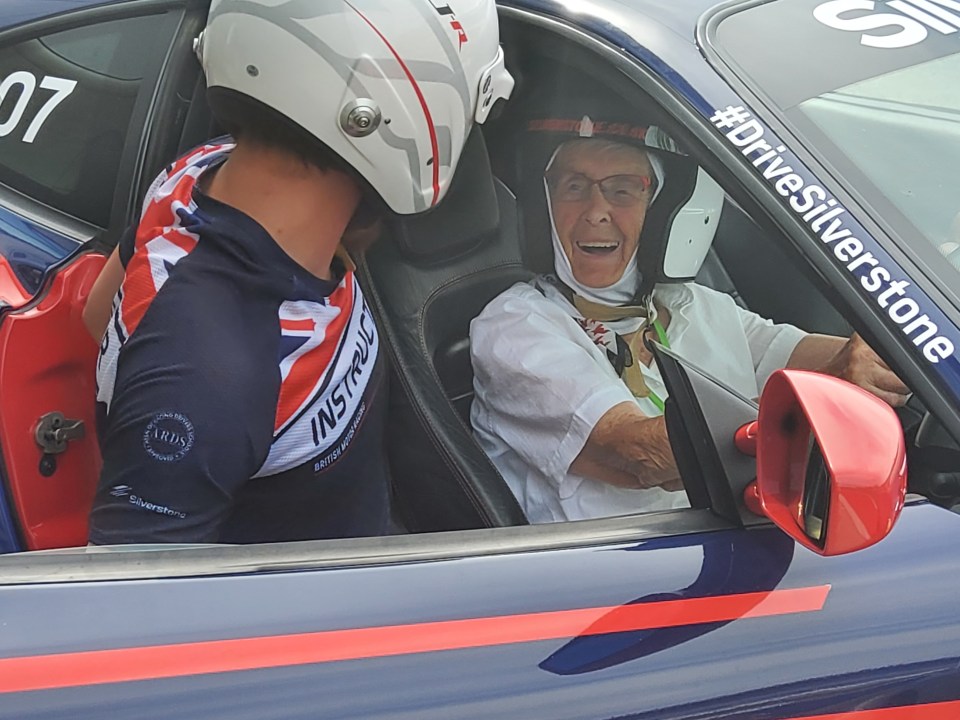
823, 214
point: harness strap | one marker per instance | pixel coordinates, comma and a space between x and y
623, 360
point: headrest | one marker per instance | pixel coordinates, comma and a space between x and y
468, 214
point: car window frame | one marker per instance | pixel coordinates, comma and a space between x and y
161, 562
159, 141
884, 231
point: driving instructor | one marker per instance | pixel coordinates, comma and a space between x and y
240, 380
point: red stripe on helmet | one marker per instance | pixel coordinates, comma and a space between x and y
435, 164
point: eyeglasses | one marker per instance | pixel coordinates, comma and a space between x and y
618, 190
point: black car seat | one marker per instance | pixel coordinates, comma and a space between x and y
426, 281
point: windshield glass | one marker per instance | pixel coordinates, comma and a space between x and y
878, 102
901, 131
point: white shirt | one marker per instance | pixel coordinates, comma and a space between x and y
541, 385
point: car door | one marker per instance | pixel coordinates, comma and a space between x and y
675, 615
644, 617
93, 102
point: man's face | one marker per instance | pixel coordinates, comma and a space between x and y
599, 223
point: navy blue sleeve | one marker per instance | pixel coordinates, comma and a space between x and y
191, 420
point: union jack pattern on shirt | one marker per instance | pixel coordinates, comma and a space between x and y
241, 396
166, 234
326, 355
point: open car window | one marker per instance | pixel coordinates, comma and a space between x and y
738, 309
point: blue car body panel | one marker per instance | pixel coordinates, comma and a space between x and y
31, 248
9, 538
886, 635
876, 641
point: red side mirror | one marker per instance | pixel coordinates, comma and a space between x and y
831, 462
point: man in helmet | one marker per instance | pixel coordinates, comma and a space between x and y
240, 378
568, 403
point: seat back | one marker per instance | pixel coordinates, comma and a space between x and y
426, 281
47, 365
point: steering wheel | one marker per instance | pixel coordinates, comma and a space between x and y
911, 416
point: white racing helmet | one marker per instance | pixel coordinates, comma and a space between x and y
695, 222
391, 86
683, 215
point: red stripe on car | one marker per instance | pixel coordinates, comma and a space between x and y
929, 711
96, 667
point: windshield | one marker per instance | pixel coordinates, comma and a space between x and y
901, 132
875, 95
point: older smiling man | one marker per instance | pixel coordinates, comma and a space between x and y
599, 231
568, 401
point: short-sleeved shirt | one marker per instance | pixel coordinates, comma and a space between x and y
542, 384
241, 397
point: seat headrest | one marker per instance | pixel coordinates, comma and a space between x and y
468, 214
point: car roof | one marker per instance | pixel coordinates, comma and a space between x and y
17, 12
636, 17
678, 16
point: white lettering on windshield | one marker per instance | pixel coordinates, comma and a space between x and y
908, 26
823, 214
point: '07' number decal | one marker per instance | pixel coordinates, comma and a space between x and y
28, 83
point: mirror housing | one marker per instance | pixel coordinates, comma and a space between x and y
831, 462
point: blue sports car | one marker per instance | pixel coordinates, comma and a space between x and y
814, 574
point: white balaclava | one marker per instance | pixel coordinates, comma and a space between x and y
623, 290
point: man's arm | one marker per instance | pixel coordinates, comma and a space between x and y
630, 450
190, 421
542, 391
851, 360
178, 446
96, 312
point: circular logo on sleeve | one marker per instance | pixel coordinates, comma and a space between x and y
168, 437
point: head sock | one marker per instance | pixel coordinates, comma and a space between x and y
621, 292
